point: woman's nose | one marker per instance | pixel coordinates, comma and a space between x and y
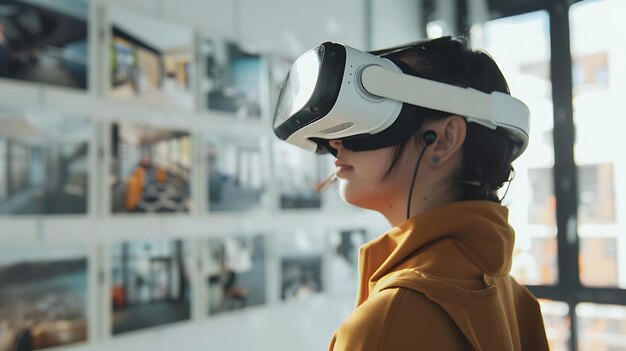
335, 144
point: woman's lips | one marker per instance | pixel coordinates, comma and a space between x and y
342, 167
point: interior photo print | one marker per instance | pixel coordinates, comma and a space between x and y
45, 41
150, 284
279, 67
235, 273
298, 175
44, 162
150, 170
236, 177
236, 81
151, 60
300, 253
344, 258
301, 277
43, 297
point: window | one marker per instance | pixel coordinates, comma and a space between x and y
567, 201
557, 323
531, 197
599, 87
602, 327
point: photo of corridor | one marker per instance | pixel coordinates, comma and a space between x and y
236, 178
45, 42
235, 273
149, 284
236, 81
344, 258
155, 68
301, 253
301, 277
151, 169
298, 174
44, 162
43, 297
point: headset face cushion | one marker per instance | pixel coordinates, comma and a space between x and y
405, 126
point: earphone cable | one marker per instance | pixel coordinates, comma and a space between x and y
417, 165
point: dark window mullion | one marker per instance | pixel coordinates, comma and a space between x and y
602, 296
565, 173
605, 296
549, 292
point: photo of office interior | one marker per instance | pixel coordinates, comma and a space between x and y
45, 42
148, 65
44, 164
151, 169
237, 180
297, 174
43, 297
149, 284
343, 257
235, 273
246, 175
235, 80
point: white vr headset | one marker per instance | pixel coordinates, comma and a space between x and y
337, 92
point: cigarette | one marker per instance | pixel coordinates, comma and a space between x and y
325, 184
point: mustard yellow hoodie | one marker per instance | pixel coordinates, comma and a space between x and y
440, 281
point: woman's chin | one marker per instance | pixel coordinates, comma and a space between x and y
354, 196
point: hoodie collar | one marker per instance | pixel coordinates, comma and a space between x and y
459, 241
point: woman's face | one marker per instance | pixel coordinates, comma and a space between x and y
361, 176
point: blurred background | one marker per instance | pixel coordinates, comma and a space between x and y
145, 203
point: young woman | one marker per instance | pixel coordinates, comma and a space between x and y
438, 280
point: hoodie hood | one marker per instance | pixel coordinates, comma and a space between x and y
456, 257
460, 241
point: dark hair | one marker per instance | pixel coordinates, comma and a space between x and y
487, 154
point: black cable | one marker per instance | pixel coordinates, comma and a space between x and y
429, 138
511, 177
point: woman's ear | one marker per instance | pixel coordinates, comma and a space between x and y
451, 132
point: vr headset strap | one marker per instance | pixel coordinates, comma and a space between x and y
476, 106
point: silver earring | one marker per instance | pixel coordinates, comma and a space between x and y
435, 159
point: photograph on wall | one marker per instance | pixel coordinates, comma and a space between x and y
44, 162
301, 277
151, 60
298, 174
150, 284
234, 272
343, 260
236, 81
150, 169
279, 67
236, 178
45, 41
300, 253
43, 297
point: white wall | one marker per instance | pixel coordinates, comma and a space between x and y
395, 22
290, 27
278, 26
286, 27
